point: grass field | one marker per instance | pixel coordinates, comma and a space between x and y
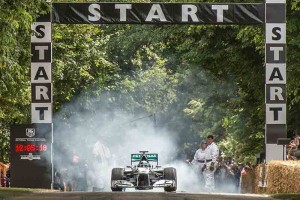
286, 196
13, 192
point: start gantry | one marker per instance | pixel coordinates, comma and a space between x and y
150, 13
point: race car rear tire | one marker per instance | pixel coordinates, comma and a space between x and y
117, 174
170, 174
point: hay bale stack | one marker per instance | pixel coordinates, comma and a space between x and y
283, 177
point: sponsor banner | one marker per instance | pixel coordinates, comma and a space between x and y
157, 13
150, 157
275, 131
275, 93
30, 155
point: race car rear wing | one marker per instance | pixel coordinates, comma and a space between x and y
137, 157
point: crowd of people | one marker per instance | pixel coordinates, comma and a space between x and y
217, 174
79, 173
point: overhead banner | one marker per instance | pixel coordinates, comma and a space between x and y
157, 13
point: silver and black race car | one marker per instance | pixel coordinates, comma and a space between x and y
144, 175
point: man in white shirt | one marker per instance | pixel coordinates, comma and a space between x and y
213, 152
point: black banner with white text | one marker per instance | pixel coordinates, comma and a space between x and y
157, 13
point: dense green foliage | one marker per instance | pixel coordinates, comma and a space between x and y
15, 20
198, 80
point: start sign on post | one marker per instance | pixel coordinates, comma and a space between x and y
275, 88
41, 79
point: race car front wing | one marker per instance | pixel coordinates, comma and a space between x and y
157, 184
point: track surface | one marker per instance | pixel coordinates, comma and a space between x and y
138, 196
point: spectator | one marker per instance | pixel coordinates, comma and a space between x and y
8, 177
247, 179
211, 164
293, 152
220, 175
199, 161
2, 178
58, 181
236, 177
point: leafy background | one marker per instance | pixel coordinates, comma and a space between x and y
197, 80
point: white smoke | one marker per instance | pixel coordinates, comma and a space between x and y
104, 140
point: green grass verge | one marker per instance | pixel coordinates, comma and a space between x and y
13, 192
286, 196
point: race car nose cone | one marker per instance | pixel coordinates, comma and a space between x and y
143, 170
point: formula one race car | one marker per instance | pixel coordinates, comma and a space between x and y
144, 176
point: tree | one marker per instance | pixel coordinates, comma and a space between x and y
16, 17
197, 79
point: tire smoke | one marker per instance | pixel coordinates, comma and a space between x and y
90, 145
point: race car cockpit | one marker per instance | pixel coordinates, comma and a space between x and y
143, 163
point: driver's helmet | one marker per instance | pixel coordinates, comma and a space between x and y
144, 164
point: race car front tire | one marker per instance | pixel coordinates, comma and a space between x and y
117, 174
170, 174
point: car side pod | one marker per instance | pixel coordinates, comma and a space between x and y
164, 183
121, 184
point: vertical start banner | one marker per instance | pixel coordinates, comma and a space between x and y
275, 83
41, 79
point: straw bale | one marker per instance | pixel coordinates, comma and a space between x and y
283, 177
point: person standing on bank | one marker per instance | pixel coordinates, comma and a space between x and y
211, 164
199, 160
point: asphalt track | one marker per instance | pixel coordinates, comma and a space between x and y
139, 196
